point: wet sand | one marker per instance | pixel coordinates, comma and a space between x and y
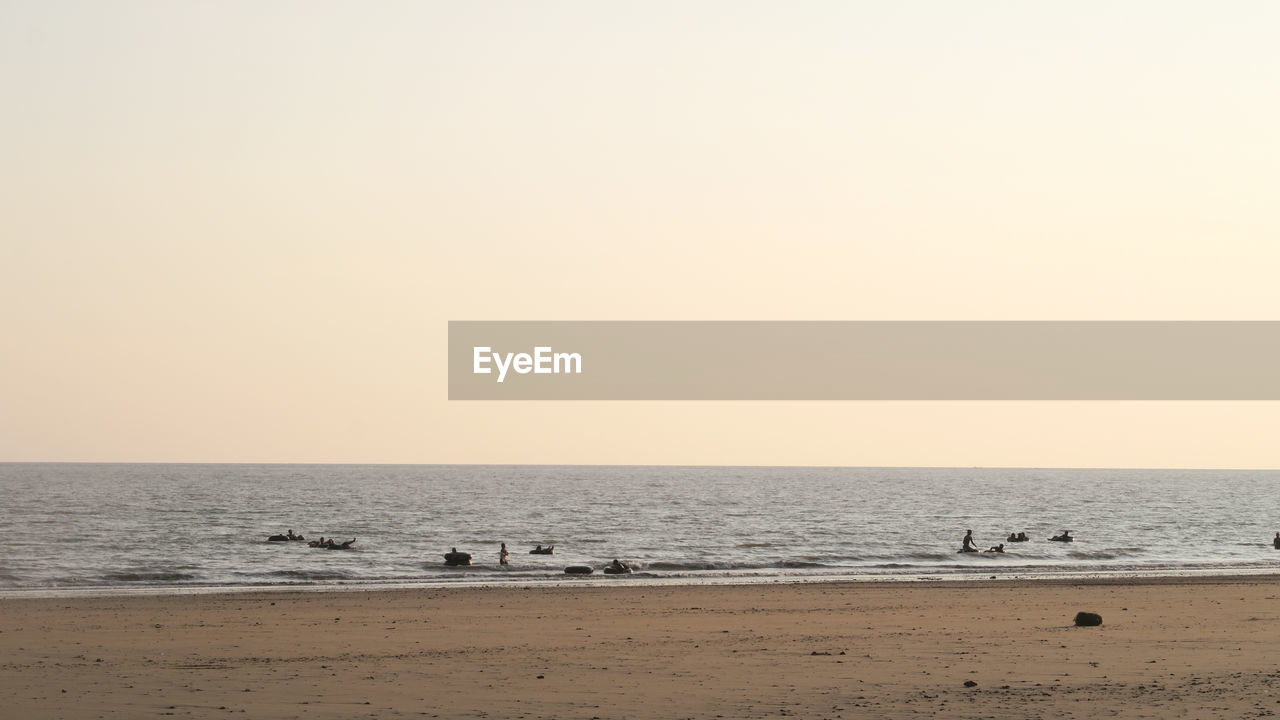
1202, 648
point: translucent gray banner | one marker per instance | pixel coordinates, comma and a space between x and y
713, 360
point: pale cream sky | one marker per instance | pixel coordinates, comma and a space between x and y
235, 231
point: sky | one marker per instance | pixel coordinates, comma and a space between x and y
236, 231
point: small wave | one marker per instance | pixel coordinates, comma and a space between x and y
932, 556
703, 565
151, 577
680, 566
308, 575
1104, 554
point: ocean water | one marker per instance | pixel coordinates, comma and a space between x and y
176, 527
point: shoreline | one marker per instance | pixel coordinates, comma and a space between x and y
1161, 576
1196, 646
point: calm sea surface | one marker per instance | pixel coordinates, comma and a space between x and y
69, 526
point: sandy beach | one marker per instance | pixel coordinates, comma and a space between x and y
1202, 648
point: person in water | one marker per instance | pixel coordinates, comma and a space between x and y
1022, 537
618, 565
968, 544
502, 555
1276, 542
1012, 538
998, 548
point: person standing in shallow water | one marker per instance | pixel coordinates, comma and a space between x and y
502, 555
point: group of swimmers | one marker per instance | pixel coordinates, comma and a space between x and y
330, 544
504, 557
968, 544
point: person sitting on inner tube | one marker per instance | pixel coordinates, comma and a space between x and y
998, 548
617, 565
1064, 537
968, 545
1012, 538
1022, 537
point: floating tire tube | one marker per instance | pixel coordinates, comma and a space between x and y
457, 558
577, 570
615, 571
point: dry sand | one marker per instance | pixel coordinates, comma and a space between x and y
1172, 648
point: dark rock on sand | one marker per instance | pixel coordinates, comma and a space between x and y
1088, 619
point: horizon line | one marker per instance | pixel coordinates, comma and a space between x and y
631, 465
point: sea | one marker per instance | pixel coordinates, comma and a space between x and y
175, 528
